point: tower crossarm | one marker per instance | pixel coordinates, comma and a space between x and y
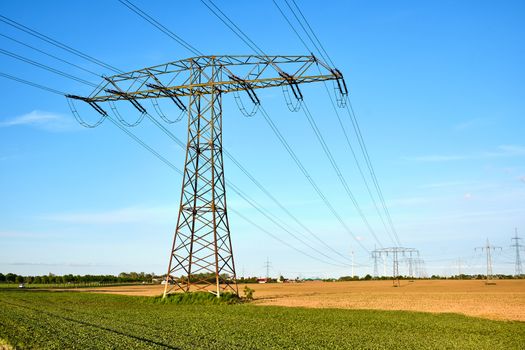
222, 74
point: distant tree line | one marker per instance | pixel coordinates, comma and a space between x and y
142, 277
123, 277
433, 277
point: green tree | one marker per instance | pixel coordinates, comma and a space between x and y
248, 293
10, 278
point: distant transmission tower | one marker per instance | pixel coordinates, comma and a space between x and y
412, 267
267, 266
488, 249
375, 256
353, 264
395, 252
518, 267
420, 268
201, 257
460, 272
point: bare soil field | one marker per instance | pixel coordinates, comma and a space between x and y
503, 301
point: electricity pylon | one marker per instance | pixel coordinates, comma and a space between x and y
395, 252
518, 269
376, 256
488, 249
201, 257
353, 263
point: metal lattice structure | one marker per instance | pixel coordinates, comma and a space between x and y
518, 270
488, 249
201, 257
396, 253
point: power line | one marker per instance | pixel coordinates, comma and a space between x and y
30, 83
280, 205
271, 234
56, 43
46, 67
278, 222
160, 26
353, 118
50, 55
306, 31
315, 36
301, 167
338, 117
230, 24
291, 26
369, 165
340, 176
358, 164
281, 138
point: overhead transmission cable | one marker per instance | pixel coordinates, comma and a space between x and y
360, 169
56, 43
353, 119
343, 129
50, 55
278, 222
355, 123
305, 172
30, 83
364, 150
251, 44
337, 170
46, 67
315, 36
233, 27
160, 27
280, 205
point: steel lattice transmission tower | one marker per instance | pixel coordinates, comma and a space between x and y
488, 249
396, 253
518, 267
201, 257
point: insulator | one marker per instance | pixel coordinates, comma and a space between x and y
242, 108
293, 107
79, 118
163, 116
122, 120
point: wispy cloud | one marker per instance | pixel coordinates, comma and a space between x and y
43, 120
473, 123
522, 179
116, 216
501, 152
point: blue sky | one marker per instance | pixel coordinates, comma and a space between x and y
437, 87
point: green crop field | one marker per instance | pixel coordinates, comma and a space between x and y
73, 320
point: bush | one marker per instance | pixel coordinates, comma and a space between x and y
248, 293
196, 298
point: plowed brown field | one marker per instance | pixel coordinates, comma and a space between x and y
503, 301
